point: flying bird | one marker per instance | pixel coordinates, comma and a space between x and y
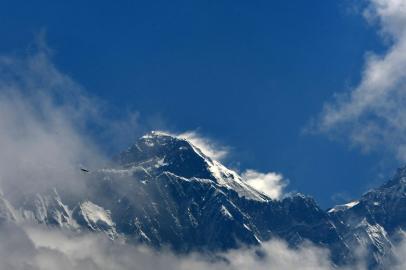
84, 170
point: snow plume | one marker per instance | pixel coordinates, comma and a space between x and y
373, 113
46, 123
35, 248
207, 146
270, 183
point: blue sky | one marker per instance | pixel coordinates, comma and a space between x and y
251, 75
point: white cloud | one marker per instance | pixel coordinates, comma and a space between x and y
373, 114
207, 146
272, 184
40, 248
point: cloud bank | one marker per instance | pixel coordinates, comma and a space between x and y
373, 114
38, 248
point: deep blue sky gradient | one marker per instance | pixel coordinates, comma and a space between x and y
250, 74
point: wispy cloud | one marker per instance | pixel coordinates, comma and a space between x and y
373, 114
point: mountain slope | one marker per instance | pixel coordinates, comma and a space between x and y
164, 192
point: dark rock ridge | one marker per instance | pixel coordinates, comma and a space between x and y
163, 191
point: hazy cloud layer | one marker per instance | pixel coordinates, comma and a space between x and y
373, 114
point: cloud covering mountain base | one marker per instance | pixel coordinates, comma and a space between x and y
39, 248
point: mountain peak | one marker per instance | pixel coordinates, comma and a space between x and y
158, 133
159, 152
157, 138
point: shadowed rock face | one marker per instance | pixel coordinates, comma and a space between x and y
163, 191
375, 220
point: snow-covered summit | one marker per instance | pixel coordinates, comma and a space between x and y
159, 152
